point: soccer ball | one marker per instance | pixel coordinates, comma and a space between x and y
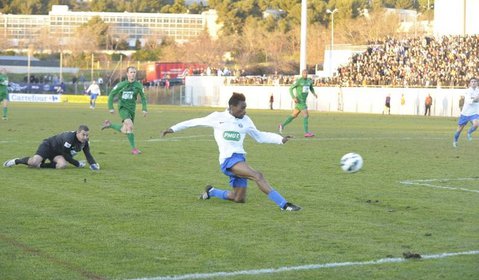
351, 162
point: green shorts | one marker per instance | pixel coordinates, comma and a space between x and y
3, 96
126, 114
301, 106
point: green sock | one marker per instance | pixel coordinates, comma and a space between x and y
116, 126
5, 110
131, 139
306, 124
288, 120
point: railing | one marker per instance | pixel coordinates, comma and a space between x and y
174, 95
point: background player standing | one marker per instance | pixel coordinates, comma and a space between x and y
127, 92
4, 92
302, 86
94, 91
469, 113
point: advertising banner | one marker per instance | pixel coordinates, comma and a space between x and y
24, 97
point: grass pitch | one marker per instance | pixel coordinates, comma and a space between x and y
139, 217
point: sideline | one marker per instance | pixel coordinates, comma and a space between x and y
432, 183
303, 267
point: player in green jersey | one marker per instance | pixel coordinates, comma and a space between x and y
302, 86
127, 92
4, 92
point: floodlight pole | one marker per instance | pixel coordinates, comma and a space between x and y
304, 23
332, 40
29, 57
61, 65
92, 61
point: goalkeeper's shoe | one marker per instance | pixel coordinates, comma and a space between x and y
10, 163
290, 207
206, 194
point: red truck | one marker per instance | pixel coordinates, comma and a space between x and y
158, 71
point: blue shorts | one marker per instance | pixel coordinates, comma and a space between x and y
463, 120
93, 96
235, 181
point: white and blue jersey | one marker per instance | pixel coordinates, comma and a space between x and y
230, 132
470, 111
94, 91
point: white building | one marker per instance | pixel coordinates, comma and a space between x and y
458, 17
21, 30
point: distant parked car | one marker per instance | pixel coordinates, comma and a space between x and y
173, 82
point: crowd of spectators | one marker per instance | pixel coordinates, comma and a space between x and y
448, 61
267, 80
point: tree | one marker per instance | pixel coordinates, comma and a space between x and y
27, 7
147, 55
205, 50
378, 24
93, 35
122, 44
137, 44
4, 44
233, 14
153, 42
46, 42
406, 4
177, 8
196, 8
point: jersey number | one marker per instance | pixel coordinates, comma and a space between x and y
127, 95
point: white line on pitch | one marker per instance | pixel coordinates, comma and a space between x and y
427, 183
302, 267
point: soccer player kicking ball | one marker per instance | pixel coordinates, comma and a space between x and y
230, 128
127, 92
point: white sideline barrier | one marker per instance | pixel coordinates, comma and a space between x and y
212, 91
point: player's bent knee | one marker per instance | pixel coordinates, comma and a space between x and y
238, 197
60, 165
34, 162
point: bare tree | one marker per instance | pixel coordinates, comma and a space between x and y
378, 24
45, 42
203, 49
4, 44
